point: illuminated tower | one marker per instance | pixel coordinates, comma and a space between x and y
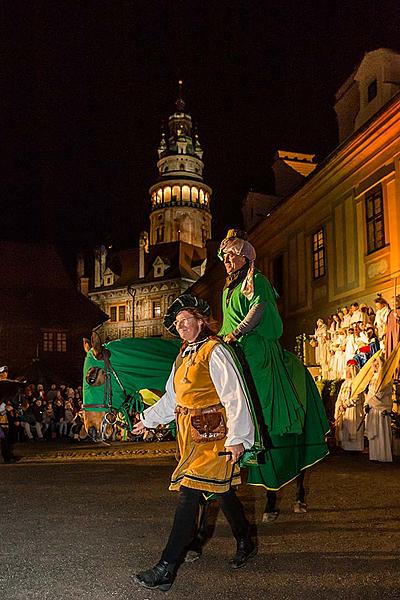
180, 200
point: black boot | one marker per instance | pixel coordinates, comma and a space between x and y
245, 549
160, 577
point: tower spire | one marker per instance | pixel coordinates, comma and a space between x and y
180, 103
180, 200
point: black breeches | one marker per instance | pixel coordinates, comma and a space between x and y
185, 521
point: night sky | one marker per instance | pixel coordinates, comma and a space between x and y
87, 84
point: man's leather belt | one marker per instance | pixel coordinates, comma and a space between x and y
184, 410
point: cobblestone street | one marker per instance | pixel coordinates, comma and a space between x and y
78, 522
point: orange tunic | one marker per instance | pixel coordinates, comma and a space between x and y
199, 465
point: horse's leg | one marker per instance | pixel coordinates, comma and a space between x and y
92, 422
300, 505
270, 512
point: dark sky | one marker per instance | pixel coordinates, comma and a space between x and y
86, 85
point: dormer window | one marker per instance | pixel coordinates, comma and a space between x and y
159, 267
372, 90
108, 277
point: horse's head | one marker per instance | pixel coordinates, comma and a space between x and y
94, 375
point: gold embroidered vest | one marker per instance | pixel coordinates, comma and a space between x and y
192, 382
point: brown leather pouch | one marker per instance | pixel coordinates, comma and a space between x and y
207, 427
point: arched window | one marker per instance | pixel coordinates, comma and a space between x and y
206, 199
159, 196
167, 194
186, 193
176, 193
201, 197
195, 194
153, 198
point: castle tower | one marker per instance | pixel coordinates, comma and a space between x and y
180, 200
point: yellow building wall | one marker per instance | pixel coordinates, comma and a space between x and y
334, 198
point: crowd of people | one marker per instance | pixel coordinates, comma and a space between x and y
343, 346
40, 414
351, 333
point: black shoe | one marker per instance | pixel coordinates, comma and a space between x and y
160, 577
245, 549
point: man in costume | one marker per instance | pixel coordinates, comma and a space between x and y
349, 414
378, 406
291, 408
393, 331
9, 391
207, 397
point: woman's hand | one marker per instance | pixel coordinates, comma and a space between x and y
138, 428
235, 452
229, 338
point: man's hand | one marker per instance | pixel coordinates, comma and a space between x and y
235, 452
229, 338
138, 428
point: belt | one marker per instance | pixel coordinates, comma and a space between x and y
184, 410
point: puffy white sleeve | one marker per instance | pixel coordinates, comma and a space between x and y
163, 411
230, 389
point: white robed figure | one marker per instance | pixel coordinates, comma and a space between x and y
378, 405
349, 413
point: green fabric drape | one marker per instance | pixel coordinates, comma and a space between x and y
139, 363
290, 403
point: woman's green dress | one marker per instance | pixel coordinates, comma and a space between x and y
291, 405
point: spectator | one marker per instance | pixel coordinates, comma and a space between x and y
356, 314
381, 317
59, 417
351, 345
322, 348
49, 427
69, 414
52, 393
29, 422
40, 392
349, 413
76, 426
346, 318
378, 405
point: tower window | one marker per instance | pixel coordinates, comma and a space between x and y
195, 194
176, 193
372, 90
156, 305
167, 194
318, 254
160, 234
186, 193
375, 219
